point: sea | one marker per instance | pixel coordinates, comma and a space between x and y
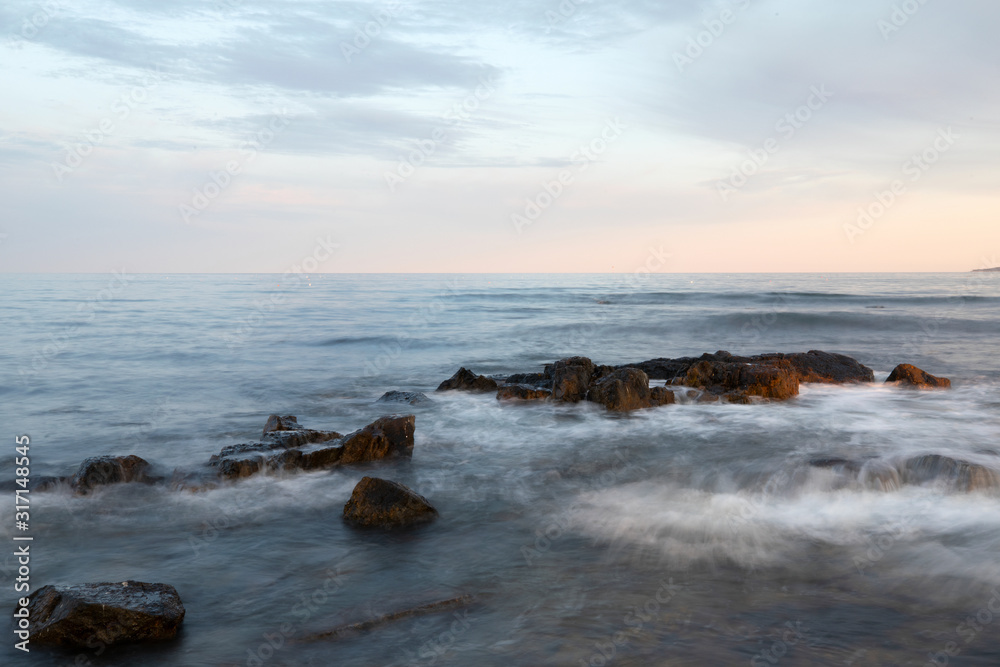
690, 534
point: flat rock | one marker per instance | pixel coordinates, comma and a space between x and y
82, 615
386, 504
407, 397
912, 377
104, 470
814, 366
466, 380
740, 382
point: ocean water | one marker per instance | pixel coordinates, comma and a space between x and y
693, 534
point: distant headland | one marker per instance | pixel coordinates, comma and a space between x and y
980, 270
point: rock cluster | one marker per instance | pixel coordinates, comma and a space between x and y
305, 449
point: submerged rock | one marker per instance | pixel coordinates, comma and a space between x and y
912, 377
956, 473
466, 380
111, 613
386, 504
408, 397
104, 470
522, 392
539, 380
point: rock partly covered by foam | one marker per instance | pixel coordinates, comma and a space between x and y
386, 504
386, 437
627, 389
82, 615
466, 380
522, 392
739, 381
104, 470
912, 377
408, 397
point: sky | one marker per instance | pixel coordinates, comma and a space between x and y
523, 136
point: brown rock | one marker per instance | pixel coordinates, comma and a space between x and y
278, 423
661, 396
739, 381
622, 390
466, 380
829, 368
521, 392
912, 377
384, 438
571, 378
110, 613
386, 504
102, 470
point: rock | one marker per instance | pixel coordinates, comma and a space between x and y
82, 616
829, 368
661, 396
522, 392
466, 380
912, 377
955, 473
812, 366
103, 470
739, 381
383, 503
408, 397
622, 390
386, 437
316, 450
571, 378
278, 423
539, 380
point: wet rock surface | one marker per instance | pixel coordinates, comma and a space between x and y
466, 380
104, 470
522, 392
81, 615
407, 397
813, 366
911, 377
382, 503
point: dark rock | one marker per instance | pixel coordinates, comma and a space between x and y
103, 470
829, 368
622, 390
239, 468
466, 380
321, 458
408, 397
539, 380
571, 378
386, 437
661, 396
912, 377
281, 440
85, 615
740, 381
278, 423
812, 366
382, 503
522, 392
